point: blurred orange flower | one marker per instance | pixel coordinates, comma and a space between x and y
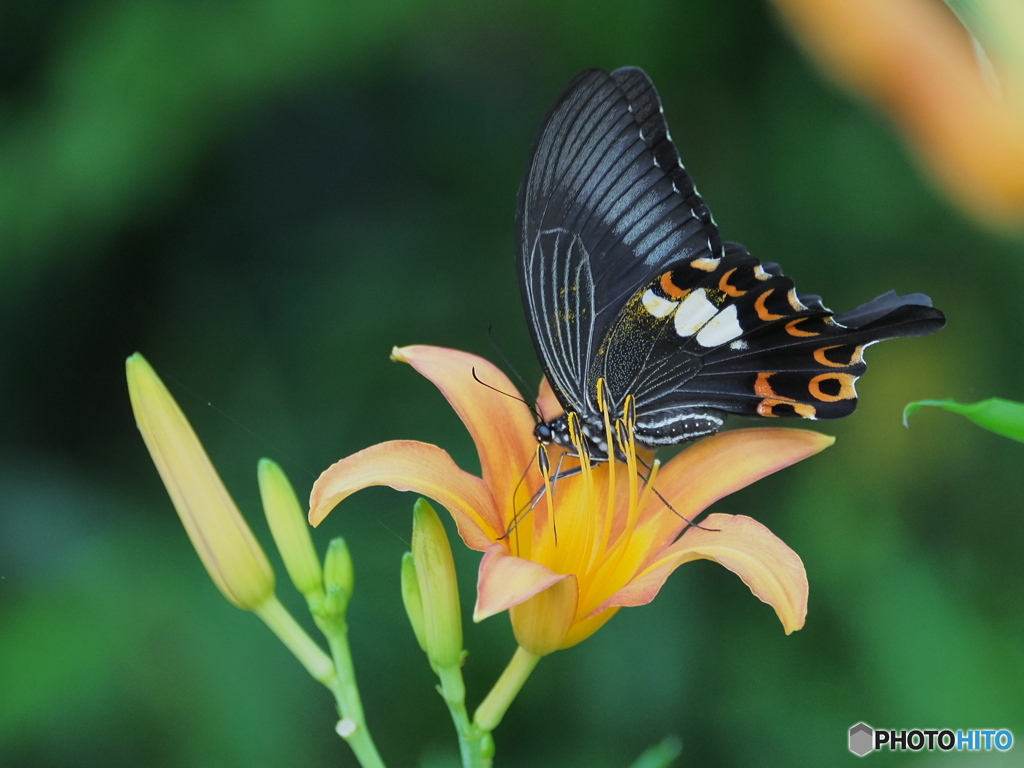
917, 61
595, 541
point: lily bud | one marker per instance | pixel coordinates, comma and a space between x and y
224, 542
412, 599
339, 576
435, 575
288, 526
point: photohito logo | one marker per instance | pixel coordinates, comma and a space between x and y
865, 739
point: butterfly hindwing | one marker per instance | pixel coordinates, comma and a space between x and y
625, 278
741, 340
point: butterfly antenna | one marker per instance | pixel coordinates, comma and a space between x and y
503, 392
512, 368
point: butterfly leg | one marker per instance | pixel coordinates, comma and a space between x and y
688, 521
550, 484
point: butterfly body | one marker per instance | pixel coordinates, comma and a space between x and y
629, 289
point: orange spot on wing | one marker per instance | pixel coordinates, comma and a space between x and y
669, 288
724, 286
762, 310
805, 410
847, 391
762, 388
856, 358
766, 408
792, 330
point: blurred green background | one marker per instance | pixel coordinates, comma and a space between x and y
264, 197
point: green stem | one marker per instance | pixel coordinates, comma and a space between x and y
338, 675
497, 702
475, 743
352, 726
295, 639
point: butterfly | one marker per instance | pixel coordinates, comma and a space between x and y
626, 281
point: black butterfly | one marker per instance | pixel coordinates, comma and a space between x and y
625, 277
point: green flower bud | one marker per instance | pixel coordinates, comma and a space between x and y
339, 576
412, 599
435, 575
290, 530
218, 532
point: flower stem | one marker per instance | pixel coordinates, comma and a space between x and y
497, 702
338, 676
352, 726
295, 639
475, 743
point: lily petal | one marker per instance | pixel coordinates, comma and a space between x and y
585, 627
500, 424
542, 623
506, 580
916, 61
722, 464
407, 465
772, 570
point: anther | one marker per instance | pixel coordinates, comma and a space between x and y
603, 402
542, 461
629, 412
574, 428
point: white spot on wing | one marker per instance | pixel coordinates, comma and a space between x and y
721, 328
656, 305
738, 344
794, 301
694, 312
708, 265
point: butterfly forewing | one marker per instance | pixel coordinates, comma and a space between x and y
625, 278
597, 217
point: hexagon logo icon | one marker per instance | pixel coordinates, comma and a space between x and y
862, 739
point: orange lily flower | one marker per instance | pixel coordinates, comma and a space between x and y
563, 554
917, 62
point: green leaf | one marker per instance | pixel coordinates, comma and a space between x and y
1004, 417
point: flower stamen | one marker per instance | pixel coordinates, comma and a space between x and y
549, 490
609, 517
570, 559
627, 444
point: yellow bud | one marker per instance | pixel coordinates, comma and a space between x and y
224, 542
290, 530
435, 574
